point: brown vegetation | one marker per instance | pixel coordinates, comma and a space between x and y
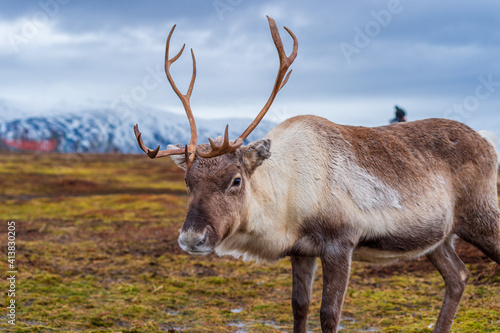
97, 251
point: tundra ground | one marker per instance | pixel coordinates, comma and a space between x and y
96, 251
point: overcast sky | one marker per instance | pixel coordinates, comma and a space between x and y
356, 60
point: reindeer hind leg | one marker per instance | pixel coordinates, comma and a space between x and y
455, 275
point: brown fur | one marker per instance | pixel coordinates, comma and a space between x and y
313, 188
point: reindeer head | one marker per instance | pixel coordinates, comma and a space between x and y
217, 174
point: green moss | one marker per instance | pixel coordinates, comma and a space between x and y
97, 252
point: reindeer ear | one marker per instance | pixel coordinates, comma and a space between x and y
255, 153
180, 160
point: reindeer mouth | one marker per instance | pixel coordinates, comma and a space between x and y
199, 253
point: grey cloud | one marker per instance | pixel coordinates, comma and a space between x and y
427, 55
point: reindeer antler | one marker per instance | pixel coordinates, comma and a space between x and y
190, 150
226, 147
281, 79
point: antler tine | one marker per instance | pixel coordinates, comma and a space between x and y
154, 153
281, 80
224, 148
191, 148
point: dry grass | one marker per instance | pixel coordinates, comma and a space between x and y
97, 252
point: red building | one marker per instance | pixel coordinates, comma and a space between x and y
22, 144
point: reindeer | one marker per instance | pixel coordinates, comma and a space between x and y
312, 188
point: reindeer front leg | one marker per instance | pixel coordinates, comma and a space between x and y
303, 269
336, 264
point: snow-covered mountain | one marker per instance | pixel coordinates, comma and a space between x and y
112, 131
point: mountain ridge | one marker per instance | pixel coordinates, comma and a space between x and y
104, 131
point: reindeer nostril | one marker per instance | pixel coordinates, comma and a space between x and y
203, 241
195, 242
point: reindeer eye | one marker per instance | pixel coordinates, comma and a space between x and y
237, 181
